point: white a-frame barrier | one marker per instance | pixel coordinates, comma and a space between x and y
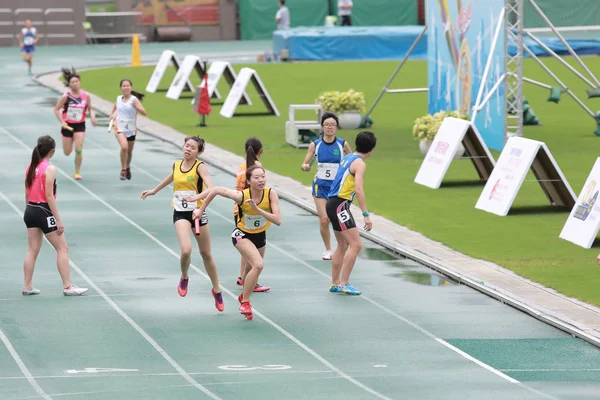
218, 70
167, 57
246, 76
453, 132
520, 155
190, 63
583, 223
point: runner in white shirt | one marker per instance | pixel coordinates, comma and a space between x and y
125, 123
28, 38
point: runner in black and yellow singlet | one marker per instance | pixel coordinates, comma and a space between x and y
258, 209
348, 183
190, 177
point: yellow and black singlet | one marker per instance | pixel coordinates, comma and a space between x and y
249, 220
186, 183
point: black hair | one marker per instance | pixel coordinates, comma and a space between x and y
328, 115
365, 142
198, 140
69, 74
45, 145
140, 96
249, 172
252, 147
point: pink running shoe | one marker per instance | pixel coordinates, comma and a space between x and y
246, 309
183, 287
218, 300
259, 288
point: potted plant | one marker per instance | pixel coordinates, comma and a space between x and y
346, 105
426, 127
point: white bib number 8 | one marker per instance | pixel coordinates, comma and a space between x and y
51, 222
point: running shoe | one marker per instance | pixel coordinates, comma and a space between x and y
128, 173
335, 288
123, 175
29, 292
327, 255
239, 281
351, 290
74, 291
240, 297
259, 288
218, 300
77, 176
183, 286
245, 308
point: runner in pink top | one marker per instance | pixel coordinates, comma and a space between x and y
42, 218
71, 110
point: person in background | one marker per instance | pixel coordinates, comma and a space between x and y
345, 12
283, 16
28, 38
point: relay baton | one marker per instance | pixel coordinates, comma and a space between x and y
110, 125
197, 223
313, 160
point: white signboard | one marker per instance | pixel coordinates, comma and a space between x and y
246, 76
453, 132
216, 71
166, 57
519, 155
583, 223
190, 63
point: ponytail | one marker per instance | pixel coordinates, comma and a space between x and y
35, 160
252, 147
140, 96
44, 146
250, 157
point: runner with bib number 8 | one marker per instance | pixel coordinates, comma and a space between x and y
258, 208
189, 177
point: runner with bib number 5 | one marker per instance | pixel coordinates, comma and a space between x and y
258, 208
189, 177
349, 182
328, 151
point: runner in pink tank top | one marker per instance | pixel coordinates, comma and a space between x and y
41, 217
71, 110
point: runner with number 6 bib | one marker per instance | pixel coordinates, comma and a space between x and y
41, 217
328, 151
258, 208
189, 177
349, 182
124, 117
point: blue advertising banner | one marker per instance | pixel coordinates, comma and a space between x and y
459, 40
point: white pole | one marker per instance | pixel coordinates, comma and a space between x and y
490, 94
488, 63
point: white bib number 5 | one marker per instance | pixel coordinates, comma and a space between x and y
327, 171
343, 216
254, 221
179, 200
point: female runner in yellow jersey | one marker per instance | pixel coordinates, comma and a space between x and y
190, 176
258, 208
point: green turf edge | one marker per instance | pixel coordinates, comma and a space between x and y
526, 241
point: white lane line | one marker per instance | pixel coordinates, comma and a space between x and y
23, 367
169, 250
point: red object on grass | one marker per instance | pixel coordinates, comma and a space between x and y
204, 103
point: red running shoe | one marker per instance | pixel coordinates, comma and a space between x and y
218, 300
183, 286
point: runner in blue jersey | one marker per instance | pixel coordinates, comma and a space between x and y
329, 151
28, 37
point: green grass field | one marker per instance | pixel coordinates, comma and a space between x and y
526, 241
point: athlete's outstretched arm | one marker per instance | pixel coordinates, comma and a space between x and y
275, 215
347, 148
60, 104
158, 188
50, 176
309, 155
209, 194
359, 177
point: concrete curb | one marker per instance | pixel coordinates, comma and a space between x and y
299, 195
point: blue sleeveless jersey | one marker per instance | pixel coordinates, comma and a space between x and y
343, 184
328, 159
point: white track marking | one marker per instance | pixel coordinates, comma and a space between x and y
22, 367
169, 250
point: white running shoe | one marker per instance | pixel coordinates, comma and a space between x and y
31, 291
74, 291
327, 255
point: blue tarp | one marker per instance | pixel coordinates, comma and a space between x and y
385, 43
